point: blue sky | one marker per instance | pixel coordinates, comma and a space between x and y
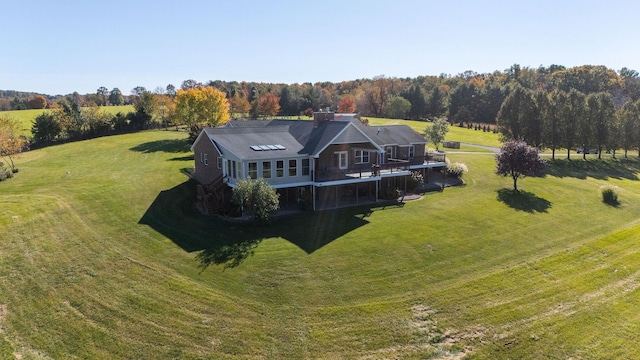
57, 47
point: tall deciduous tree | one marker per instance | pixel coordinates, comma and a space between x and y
515, 116
199, 107
629, 117
551, 123
115, 97
239, 104
397, 107
570, 114
171, 90
517, 159
436, 104
601, 112
103, 94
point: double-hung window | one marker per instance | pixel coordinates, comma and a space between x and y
411, 150
305, 167
253, 170
266, 169
293, 167
362, 156
279, 168
342, 159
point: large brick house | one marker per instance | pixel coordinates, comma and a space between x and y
332, 161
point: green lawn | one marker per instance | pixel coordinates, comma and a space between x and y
455, 133
103, 256
27, 117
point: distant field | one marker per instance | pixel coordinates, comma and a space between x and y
103, 256
455, 133
26, 117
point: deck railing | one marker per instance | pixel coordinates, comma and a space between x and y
391, 166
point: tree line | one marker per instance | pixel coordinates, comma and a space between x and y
570, 120
468, 97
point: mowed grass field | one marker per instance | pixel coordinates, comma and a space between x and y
104, 256
27, 117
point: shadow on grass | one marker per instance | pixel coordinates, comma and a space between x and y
182, 158
523, 200
612, 203
602, 169
228, 243
169, 146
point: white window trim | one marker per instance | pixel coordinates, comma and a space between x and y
361, 159
390, 152
219, 162
411, 151
343, 155
249, 175
282, 168
270, 169
206, 160
289, 168
302, 167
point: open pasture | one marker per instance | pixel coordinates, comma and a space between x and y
103, 256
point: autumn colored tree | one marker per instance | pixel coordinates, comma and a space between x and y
308, 112
200, 107
268, 104
10, 143
38, 102
164, 109
347, 105
517, 159
239, 104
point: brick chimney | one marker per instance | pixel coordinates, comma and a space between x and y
319, 117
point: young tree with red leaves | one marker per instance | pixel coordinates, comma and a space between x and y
517, 159
346, 105
268, 105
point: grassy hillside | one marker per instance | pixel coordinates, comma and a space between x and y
27, 117
455, 133
103, 256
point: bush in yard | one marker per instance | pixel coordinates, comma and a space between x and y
389, 193
5, 173
258, 197
609, 194
456, 169
414, 180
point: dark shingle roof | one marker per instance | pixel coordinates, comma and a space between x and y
239, 141
394, 135
300, 137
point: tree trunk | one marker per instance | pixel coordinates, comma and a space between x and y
553, 153
568, 153
599, 152
515, 185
